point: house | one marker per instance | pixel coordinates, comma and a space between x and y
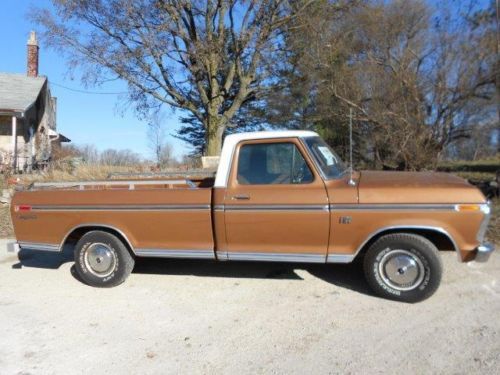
28, 134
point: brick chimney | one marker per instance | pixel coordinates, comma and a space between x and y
32, 55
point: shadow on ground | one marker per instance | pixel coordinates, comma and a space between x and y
349, 276
43, 259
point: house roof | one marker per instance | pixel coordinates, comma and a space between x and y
18, 92
58, 136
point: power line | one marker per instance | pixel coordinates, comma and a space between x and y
85, 91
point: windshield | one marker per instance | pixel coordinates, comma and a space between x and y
326, 159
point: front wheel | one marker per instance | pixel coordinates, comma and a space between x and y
102, 259
403, 266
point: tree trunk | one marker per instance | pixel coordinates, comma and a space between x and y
214, 145
213, 136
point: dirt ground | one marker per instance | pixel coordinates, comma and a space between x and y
199, 317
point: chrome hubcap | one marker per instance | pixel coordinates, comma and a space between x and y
100, 259
401, 270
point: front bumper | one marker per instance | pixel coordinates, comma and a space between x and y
483, 252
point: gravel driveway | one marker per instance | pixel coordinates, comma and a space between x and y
199, 317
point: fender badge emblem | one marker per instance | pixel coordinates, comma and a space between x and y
345, 219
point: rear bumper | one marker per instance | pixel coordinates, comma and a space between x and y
13, 247
483, 252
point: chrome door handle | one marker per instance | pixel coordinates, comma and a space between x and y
241, 197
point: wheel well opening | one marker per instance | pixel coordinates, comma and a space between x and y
439, 239
78, 233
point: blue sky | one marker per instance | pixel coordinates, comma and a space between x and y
84, 118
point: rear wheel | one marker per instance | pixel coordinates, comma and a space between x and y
102, 259
404, 267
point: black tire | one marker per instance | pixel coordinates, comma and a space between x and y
102, 259
404, 267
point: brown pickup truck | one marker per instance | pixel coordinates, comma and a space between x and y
276, 196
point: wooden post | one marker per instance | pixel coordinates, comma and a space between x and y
32, 148
14, 142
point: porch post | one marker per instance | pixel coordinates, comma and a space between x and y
14, 142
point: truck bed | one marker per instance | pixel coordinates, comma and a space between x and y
152, 215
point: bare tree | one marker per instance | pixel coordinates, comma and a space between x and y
88, 153
91, 155
162, 151
156, 138
167, 157
204, 57
119, 157
418, 78
482, 143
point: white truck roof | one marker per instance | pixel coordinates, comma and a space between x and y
232, 140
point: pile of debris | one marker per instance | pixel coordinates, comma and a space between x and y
6, 196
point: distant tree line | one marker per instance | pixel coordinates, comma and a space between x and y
421, 77
89, 154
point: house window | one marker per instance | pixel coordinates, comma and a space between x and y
5, 125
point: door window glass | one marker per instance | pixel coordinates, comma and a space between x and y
272, 163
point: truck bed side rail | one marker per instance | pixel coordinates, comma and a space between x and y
189, 174
125, 184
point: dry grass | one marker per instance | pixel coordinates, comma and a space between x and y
80, 173
6, 230
5, 223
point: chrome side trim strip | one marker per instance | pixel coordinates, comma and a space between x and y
165, 207
340, 258
219, 207
392, 207
39, 246
222, 255
277, 207
277, 257
164, 253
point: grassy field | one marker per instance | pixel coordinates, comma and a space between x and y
491, 165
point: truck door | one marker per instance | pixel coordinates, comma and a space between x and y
276, 205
